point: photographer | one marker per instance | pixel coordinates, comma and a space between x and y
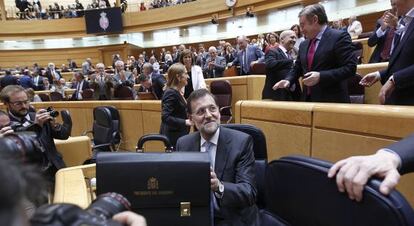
41, 122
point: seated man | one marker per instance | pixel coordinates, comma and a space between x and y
80, 84
18, 107
231, 159
154, 85
214, 65
354, 172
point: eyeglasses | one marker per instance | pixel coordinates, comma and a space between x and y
202, 111
20, 103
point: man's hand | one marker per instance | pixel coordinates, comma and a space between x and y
311, 78
353, 173
253, 63
214, 181
390, 20
129, 218
370, 79
5, 130
42, 116
230, 64
386, 91
282, 84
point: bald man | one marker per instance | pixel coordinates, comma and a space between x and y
247, 56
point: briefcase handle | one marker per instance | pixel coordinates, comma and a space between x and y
152, 137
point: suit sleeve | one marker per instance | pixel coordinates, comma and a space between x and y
405, 149
259, 54
297, 70
404, 78
169, 102
274, 62
60, 132
373, 39
243, 192
345, 59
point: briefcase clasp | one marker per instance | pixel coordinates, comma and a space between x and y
185, 209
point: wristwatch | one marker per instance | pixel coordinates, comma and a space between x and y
392, 79
220, 188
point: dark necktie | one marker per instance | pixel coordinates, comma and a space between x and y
311, 54
398, 34
386, 51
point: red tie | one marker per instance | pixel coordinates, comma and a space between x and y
311, 54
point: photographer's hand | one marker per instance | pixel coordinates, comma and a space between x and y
129, 218
42, 116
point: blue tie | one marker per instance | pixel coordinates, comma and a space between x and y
213, 202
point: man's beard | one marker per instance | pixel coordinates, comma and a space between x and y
22, 113
210, 129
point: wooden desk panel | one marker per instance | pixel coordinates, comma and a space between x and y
371, 93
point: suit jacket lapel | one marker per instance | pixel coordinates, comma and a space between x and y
401, 44
305, 54
221, 153
321, 44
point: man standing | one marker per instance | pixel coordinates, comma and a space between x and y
247, 56
231, 159
325, 60
102, 83
397, 78
80, 84
18, 104
278, 64
214, 65
151, 81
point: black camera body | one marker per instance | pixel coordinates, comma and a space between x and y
52, 112
99, 213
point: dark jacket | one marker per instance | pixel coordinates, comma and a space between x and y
9, 80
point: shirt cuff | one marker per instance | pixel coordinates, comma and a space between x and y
380, 32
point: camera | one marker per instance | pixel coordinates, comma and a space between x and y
52, 112
99, 213
22, 145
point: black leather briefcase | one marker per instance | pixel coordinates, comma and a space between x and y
166, 188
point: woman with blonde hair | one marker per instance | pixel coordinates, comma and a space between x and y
174, 122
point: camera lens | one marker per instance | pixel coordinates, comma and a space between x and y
108, 204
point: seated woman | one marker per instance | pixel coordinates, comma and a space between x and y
195, 73
174, 122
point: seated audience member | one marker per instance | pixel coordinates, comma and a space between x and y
231, 161
278, 64
26, 80
4, 124
101, 83
46, 84
72, 64
214, 65
79, 84
60, 87
272, 42
325, 79
33, 97
195, 74
8, 79
37, 80
388, 163
229, 53
18, 105
87, 66
174, 122
397, 79
151, 81
247, 56
52, 74
64, 68
383, 36
300, 38
155, 64
123, 77
354, 27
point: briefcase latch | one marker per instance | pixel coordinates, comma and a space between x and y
185, 209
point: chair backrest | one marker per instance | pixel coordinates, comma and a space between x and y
222, 90
124, 93
258, 69
260, 155
302, 194
230, 72
55, 96
87, 94
146, 96
44, 97
106, 126
355, 90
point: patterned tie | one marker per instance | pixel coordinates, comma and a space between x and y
213, 202
245, 63
386, 51
398, 34
311, 54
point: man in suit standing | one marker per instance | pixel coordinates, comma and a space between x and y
18, 104
231, 158
397, 78
38, 80
80, 84
151, 81
102, 83
325, 59
278, 64
388, 163
214, 65
247, 56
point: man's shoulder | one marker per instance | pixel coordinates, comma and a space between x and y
184, 141
238, 135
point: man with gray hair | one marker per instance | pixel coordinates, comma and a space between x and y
354, 27
278, 64
214, 65
52, 74
123, 77
325, 60
247, 56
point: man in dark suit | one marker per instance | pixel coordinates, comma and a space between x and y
80, 84
18, 104
383, 37
397, 78
52, 74
247, 56
231, 158
278, 64
8, 79
214, 65
154, 85
325, 59
388, 163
